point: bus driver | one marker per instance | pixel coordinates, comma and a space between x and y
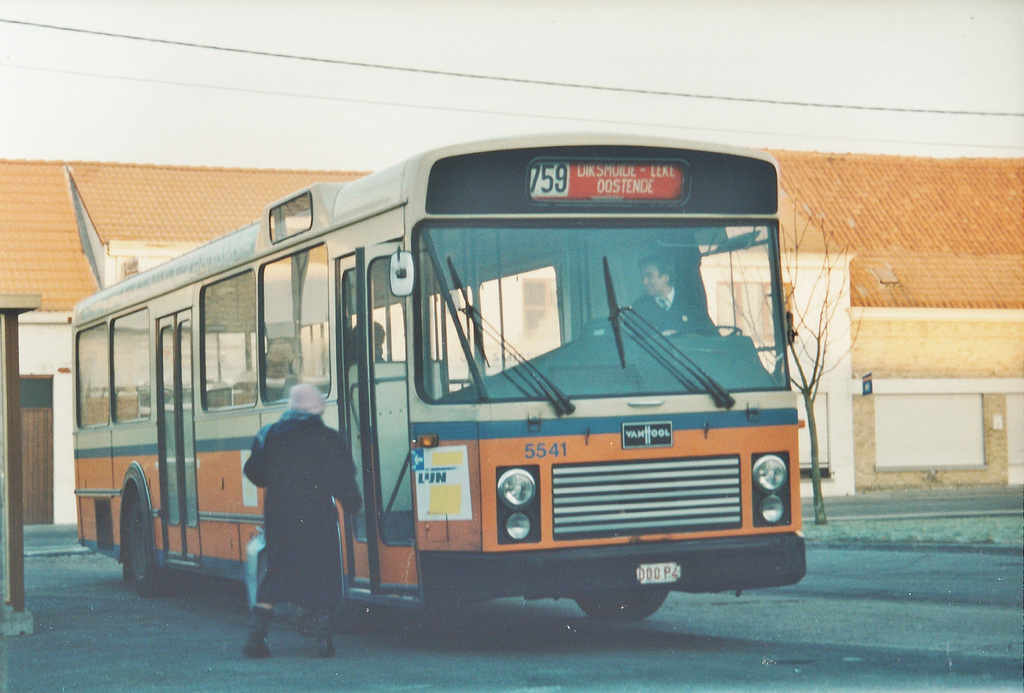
667, 309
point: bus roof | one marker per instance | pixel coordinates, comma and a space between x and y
339, 204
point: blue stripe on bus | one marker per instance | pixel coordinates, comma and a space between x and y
138, 450
492, 430
219, 444
211, 565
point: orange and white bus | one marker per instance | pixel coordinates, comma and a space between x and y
520, 427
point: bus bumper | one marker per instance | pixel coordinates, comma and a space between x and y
708, 565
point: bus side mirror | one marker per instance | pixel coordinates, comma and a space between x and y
402, 273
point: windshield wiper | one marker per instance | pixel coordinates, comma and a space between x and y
471, 312
541, 384
664, 352
672, 359
613, 311
474, 368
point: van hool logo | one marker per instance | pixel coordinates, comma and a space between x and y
657, 434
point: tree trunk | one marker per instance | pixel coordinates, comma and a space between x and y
812, 429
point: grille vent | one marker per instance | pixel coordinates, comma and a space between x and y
614, 499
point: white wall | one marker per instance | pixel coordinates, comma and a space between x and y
1015, 439
835, 396
44, 346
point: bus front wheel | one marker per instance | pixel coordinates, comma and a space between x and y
139, 568
622, 605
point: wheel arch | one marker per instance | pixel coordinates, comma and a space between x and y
134, 488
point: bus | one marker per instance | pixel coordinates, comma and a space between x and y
522, 425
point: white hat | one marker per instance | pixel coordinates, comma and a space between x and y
307, 398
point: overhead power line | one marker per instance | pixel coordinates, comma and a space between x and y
483, 111
506, 79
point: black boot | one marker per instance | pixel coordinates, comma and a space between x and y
324, 644
256, 644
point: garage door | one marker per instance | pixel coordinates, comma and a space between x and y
929, 431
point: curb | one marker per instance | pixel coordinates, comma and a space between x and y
954, 515
57, 551
863, 545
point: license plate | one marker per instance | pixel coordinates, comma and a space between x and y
658, 573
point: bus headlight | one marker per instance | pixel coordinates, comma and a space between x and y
772, 509
518, 526
516, 488
770, 473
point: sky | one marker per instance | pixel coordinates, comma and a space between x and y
361, 84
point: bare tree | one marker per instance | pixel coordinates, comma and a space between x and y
817, 273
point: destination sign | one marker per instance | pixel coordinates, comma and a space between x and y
554, 181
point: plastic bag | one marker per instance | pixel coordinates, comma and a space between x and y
255, 565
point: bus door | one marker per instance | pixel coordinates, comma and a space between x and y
176, 432
382, 559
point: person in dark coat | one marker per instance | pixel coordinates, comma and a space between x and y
304, 467
665, 307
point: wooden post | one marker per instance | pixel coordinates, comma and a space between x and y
14, 619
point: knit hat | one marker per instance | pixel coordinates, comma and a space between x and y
307, 398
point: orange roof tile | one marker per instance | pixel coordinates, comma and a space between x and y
949, 231
133, 202
41, 252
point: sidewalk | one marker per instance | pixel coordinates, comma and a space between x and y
989, 501
52, 540
992, 516
989, 518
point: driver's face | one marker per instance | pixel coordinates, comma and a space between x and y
655, 283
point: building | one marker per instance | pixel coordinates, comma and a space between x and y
75, 227
933, 253
927, 255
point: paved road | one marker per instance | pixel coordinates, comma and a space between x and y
863, 618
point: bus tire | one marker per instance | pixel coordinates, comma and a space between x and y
138, 566
622, 605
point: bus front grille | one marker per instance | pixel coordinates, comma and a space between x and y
613, 499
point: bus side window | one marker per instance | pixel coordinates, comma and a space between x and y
93, 377
229, 342
296, 331
388, 316
131, 367
391, 396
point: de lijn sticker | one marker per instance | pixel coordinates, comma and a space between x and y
442, 483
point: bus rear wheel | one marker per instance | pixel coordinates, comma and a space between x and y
622, 605
139, 569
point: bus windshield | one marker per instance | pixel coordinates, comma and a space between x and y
558, 313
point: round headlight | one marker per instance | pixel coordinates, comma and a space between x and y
518, 526
770, 473
772, 509
516, 488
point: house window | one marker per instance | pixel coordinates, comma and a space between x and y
528, 308
129, 266
748, 307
